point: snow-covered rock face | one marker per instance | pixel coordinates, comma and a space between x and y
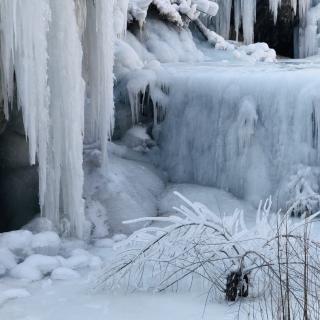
243, 129
124, 189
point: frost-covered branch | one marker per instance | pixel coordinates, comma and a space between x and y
275, 262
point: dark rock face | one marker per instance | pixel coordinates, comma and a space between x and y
18, 180
279, 36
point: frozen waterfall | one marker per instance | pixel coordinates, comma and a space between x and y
243, 129
245, 16
42, 57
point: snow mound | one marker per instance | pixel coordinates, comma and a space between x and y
46, 243
104, 243
18, 242
137, 137
216, 200
35, 267
119, 237
25, 272
39, 224
7, 259
127, 189
64, 274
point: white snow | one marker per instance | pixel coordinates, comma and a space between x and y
47, 243
7, 259
126, 188
25, 272
18, 242
104, 243
12, 294
216, 200
64, 274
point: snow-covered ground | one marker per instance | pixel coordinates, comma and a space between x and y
48, 278
66, 292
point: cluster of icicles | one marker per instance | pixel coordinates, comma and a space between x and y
245, 15
54, 54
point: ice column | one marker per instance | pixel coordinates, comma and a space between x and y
65, 174
99, 63
24, 27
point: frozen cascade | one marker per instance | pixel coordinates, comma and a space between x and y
241, 129
24, 51
99, 59
41, 46
248, 10
309, 33
245, 15
65, 175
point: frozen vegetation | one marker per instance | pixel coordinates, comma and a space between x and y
172, 209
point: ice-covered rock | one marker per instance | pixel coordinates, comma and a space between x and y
98, 216
45, 264
138, 137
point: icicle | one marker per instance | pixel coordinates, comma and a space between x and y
274, 6
65, 175
7, 19
224, 18
24, 49
99, 59
120, 17
237, 17
248, 10
304, 6
81, 14
294, 5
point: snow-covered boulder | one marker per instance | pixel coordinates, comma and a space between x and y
137, 137
46, 243
35, 267
19, 242
77, 262
26, 272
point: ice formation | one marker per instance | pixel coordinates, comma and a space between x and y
240, 130
42, 55
245, 15
99, 59
24, 53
